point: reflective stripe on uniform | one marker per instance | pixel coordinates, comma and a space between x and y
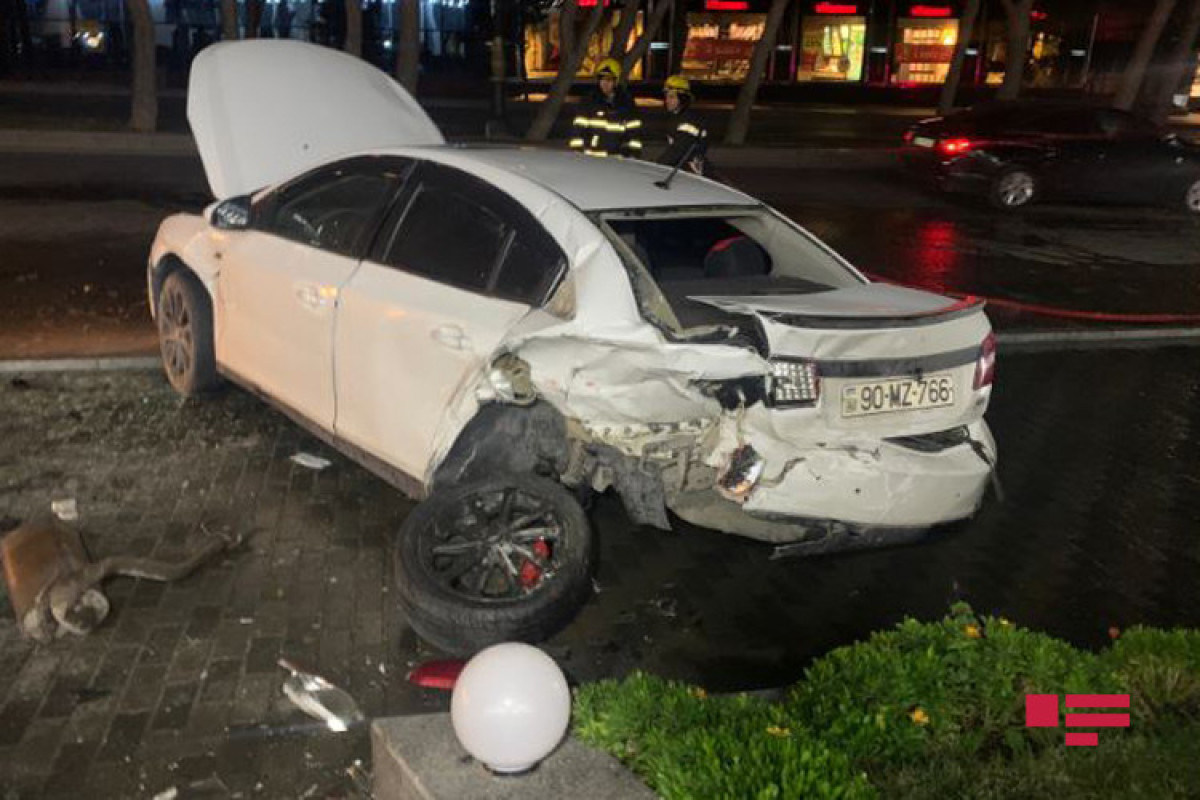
688, 127
635, 144
575, 143
595, 141
633, 123
596, 153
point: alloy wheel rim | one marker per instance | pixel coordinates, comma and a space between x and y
1193, 197
175, 334
495, 547
1016, 189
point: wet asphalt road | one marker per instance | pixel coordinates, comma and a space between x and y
74, 234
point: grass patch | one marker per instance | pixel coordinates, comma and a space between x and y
924, 710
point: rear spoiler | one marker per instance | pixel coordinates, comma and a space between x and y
961, 308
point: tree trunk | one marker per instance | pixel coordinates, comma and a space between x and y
143, 116
1179, 65
568, 65
254, 9
739, 123
620, 39
354, 28
408, 48
638, 51
1135, 70
1017, 47
229, 24
679, 37
965, 28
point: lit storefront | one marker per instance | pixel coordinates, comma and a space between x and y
542, 45
925, 45
721, 39
832, 43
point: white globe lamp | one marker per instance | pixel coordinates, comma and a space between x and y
510, 707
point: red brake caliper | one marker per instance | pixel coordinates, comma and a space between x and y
531, 572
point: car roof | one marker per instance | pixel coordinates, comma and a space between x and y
590, 183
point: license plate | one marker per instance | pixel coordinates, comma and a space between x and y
897, 394
922, 141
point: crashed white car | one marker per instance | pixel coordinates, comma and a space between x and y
498, 331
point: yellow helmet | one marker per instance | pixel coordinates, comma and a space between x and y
609, 68
677, 83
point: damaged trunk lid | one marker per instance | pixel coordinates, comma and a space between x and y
887, 359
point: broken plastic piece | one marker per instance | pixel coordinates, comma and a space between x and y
741, 474
67, 510
442, 674
310, 461
320, 699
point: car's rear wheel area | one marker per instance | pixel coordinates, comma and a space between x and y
1191, 198
185, 334
1013, 189
500, 559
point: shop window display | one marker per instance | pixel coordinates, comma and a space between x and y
832, 48
925, 50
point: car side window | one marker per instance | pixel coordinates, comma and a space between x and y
447, 236
1075, 122
460, 230
334, 210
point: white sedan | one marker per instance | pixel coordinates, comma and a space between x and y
499, 331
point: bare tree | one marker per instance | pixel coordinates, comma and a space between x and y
965, 29
1016, 47
739, 123
1181, 62
254, 12
229, 23
571, 53
649, 31
620, 39
143, 115
1135, 70
408, 48
354, 28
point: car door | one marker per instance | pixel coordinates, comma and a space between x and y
1139, 165
457, 265
1068, 142
279, 281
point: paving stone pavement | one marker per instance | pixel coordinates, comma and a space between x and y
1099, 455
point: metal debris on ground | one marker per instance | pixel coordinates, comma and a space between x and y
320, 699
310, 461
55, 588
67, 509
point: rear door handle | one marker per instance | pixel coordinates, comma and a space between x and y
450, 336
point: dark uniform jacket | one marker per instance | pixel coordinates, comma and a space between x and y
607, 129
687, 144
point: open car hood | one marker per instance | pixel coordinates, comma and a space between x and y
869, 303
263, 111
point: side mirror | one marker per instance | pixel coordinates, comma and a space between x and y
232, 214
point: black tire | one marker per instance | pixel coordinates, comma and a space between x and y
1013, 189
185, 334
435, 588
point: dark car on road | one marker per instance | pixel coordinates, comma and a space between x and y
1015, 153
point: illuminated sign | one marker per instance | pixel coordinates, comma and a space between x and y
726, 5
836, 8
930, 11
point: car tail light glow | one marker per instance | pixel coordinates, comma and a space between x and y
793, 382
985, 367
954, 147
908, 136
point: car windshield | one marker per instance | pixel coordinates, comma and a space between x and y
676, 254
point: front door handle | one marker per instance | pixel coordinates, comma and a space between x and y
450, 336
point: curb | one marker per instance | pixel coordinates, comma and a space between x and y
1012, 342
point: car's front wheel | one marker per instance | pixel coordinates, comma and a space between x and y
1191, 199
1013, 189
185, 334
502, 559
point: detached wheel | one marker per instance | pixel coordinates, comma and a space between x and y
1013, 189
1191, 199
502, 559
185, 334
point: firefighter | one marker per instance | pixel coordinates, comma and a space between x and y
687, 142
607, 124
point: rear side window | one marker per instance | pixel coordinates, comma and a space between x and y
531, 267
448, 237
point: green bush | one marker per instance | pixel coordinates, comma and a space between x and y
925, 710
685, 744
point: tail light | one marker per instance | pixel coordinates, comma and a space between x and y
793, 382
908, 135
954, 147
985, 367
